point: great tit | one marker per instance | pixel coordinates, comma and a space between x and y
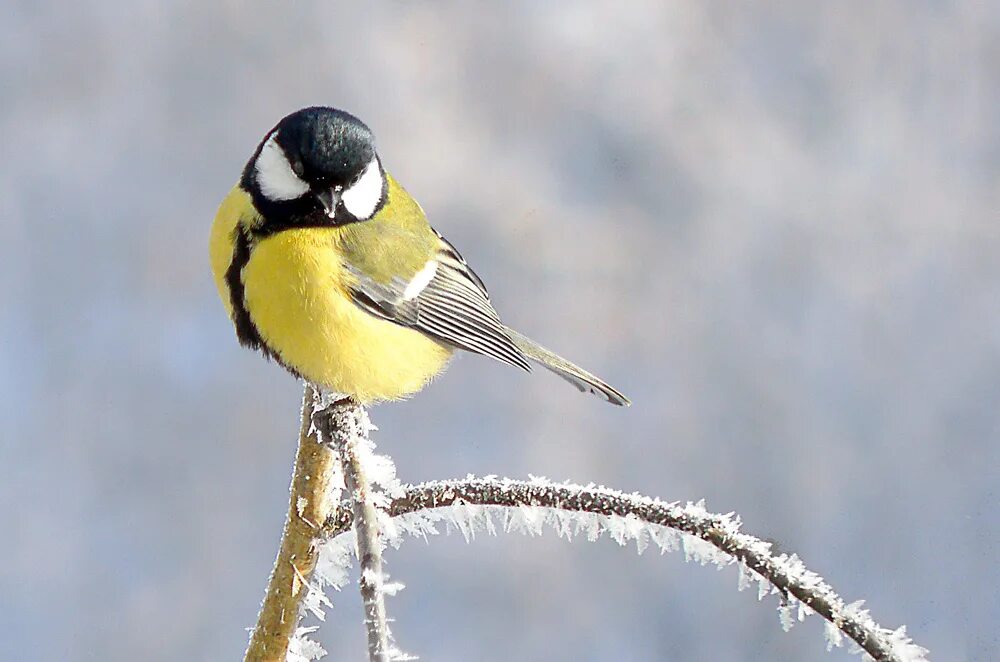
328, 266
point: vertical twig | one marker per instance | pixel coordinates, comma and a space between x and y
309, 506
348, 434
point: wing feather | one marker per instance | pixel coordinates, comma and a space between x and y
453, 307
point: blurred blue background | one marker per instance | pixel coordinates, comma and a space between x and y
775, 226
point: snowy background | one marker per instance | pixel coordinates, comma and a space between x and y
775, 227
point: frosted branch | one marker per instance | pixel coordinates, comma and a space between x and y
315, 553
345, 428
471, 505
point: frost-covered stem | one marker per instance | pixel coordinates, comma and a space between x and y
309, 506
785, 573
349, 433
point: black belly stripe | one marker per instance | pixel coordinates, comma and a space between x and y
246, 330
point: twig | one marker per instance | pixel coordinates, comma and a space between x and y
348, 433
786, 574
309, 503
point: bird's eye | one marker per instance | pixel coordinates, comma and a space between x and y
298, 168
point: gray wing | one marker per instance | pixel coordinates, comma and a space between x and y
445, 300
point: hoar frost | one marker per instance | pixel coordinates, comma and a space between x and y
531, 519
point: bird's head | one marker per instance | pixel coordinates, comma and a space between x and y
318, 166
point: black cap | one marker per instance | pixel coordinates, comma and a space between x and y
326, 146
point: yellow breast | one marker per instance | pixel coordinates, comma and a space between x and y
295, 292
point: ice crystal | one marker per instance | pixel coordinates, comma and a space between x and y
397, 655
334, 561
316, 601
745, 578
392, 588
785, 616
834, 637
303, 649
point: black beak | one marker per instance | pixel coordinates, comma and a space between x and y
330, 198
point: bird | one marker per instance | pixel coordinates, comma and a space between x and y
329, 267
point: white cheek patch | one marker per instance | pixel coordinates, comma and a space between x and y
275, 177
362, 198
420, 280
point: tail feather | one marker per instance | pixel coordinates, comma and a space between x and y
574, 374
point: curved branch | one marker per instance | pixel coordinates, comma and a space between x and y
785, 573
